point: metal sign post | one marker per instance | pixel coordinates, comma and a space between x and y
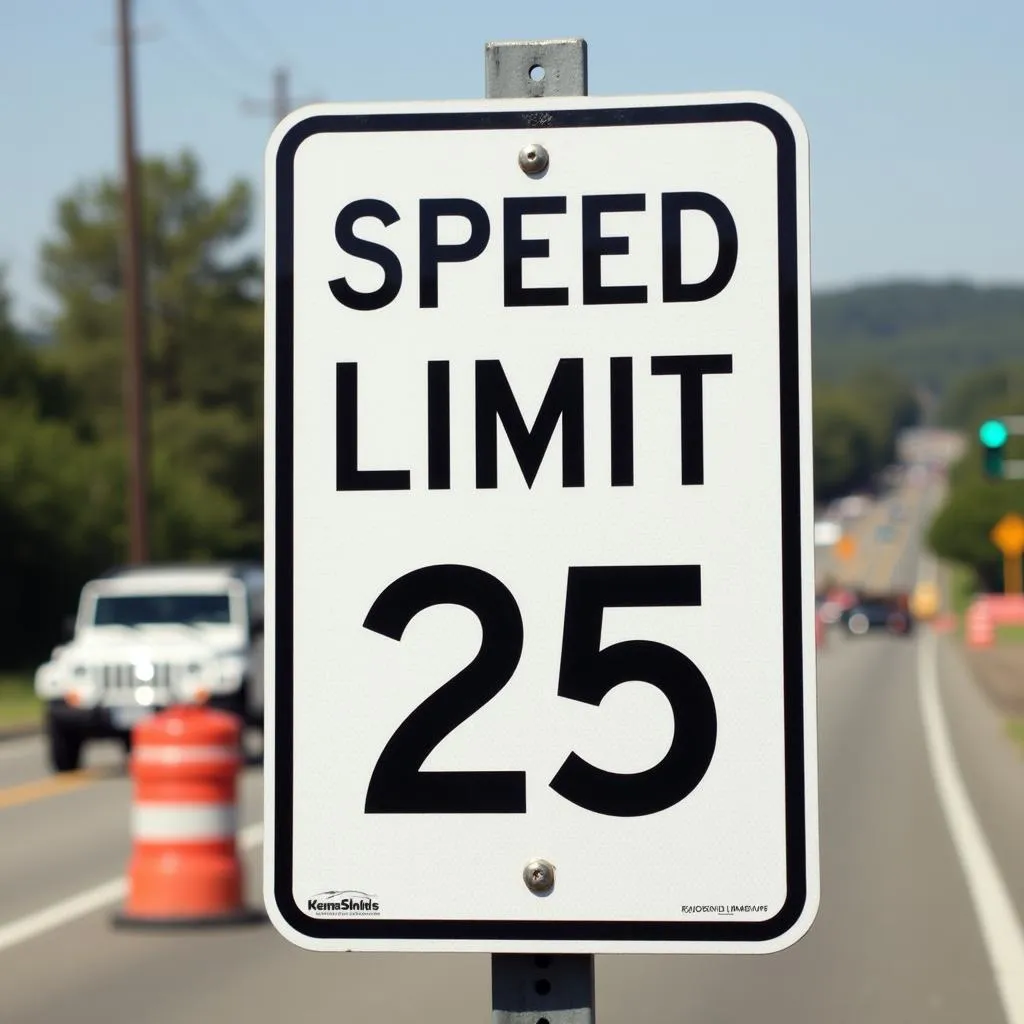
556, 988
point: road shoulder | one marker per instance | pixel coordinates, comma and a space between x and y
991, 765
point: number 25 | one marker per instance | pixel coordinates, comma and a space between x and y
587, 673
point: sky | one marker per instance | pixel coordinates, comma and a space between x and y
913, 109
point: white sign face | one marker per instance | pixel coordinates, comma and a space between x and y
540, 527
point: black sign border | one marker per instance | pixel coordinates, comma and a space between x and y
595, 932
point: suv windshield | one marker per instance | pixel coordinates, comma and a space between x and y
189, 609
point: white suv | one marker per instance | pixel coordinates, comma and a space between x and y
147, 637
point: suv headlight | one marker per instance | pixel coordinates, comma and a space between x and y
220, 674
51, 681
197, 682
81, 690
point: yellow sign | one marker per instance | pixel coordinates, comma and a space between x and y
845, 548
1008, 535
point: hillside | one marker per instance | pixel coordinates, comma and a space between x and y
930, 334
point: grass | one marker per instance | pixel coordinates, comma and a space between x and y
19, 705
1003, 634
1015, 728
959, 592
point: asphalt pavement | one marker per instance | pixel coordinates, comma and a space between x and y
884, 539
910, 928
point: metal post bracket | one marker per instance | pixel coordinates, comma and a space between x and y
536, 68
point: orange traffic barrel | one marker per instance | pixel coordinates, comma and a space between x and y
979, 626
185, 867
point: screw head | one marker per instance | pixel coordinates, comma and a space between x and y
533, 159
539, 876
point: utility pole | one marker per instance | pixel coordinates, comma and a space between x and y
280, 104
134, 310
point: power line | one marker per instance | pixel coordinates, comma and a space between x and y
217, 68
267, 43
223, 42
210, 65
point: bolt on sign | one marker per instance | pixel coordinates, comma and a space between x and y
540, 526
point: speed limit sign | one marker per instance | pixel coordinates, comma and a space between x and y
540, 645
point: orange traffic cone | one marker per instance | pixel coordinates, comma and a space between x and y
185, 868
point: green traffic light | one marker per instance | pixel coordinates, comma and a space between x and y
993, 433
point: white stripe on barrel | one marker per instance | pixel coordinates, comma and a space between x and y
183, 822
184, 755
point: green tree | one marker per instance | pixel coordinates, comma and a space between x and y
204, 348
960, 532
855, 430
59, 506
931, 334
63, 449
994, 391
57, 496
890, 406
23, 378
975, 504
843, 444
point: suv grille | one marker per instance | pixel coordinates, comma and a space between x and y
118, 683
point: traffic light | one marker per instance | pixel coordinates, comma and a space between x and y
993, 435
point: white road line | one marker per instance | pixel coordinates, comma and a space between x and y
11, 749
993, 905
83, 903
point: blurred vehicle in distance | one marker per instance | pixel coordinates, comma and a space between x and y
150, 636
834, 602
853, 506
877, 613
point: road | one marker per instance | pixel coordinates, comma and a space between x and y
878, 565
913, 927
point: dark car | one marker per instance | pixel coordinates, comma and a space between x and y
866, 616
